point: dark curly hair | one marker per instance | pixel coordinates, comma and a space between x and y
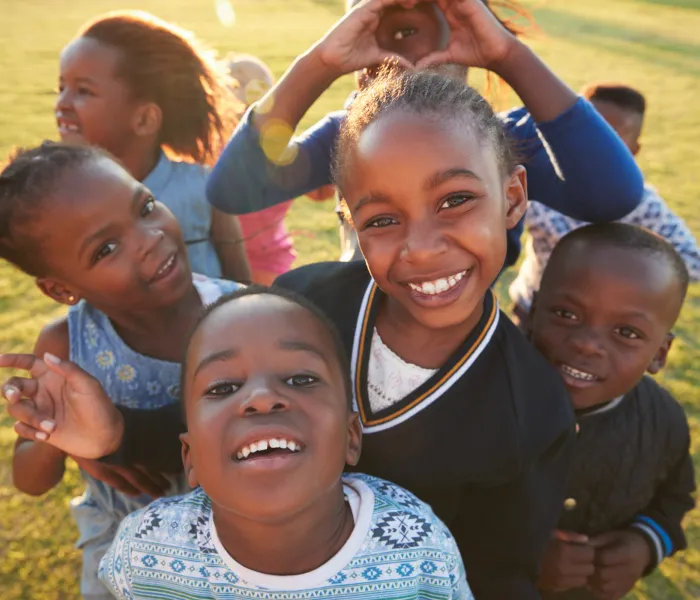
164, 64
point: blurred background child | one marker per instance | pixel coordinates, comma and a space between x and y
145, 91
623, 108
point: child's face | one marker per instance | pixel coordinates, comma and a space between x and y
431, 209
627, 124
261, 368
602, 319
106, 240
93, 106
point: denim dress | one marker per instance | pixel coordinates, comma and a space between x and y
130, 379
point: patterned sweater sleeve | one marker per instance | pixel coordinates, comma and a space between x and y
115, 567
654, 214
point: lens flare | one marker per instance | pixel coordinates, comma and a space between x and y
225, 12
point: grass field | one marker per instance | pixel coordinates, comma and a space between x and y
651, 44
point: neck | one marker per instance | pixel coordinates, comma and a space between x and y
162, 332
418, 344
297, 545
140, 160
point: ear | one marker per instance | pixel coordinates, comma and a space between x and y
659, 361
147, 119
515, 194
636, 149
187, 460
57, 291
352, 454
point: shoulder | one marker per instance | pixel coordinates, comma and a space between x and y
55, 339
181, 520
662, 406
327, 281
541, 401
397, 508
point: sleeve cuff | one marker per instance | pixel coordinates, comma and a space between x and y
657, 538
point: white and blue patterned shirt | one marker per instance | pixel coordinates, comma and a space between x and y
546, 227
398, 549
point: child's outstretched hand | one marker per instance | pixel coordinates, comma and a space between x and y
621, 557
61, 405
567, 562
477, 38
351, 45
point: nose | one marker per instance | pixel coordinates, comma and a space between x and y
151, 237
262, 399
423, 242
64, 101
587, 342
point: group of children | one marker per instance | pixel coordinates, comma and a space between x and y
374, 428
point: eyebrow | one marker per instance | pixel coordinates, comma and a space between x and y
222, 355
620, 314
140, 191
299, 346
440, 177
372, 198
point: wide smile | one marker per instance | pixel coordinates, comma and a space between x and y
66, 127
438, 292
577, 378
166, 268
269, 452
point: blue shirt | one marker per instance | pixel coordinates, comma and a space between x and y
595, 177
398, 549
181, 187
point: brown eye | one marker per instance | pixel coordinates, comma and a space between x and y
301, 380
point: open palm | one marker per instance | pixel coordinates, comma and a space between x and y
62, 405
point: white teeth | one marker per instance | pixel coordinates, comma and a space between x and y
576, 374
166, 266
439, 286
261, 445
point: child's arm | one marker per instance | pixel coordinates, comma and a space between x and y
37, 466
597, 177
259, 167
655, 214
227, 238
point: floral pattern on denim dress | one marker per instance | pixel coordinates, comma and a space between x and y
130, 379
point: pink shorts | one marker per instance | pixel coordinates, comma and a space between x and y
267, 242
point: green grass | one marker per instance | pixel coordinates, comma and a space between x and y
651, 44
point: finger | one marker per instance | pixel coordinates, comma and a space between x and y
570, 537
80, 380
24, 362
434, 59
25, 412
118, 482
579, 554
30, 433
143, 483
395, 60
157, 478
612, 556
604, 539
16, 388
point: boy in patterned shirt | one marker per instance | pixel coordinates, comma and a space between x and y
266, 394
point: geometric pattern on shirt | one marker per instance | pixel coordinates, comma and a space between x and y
407, 553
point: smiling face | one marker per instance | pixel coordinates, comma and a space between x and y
602, 318
269, 426
431, 209
105, 239
94, 105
